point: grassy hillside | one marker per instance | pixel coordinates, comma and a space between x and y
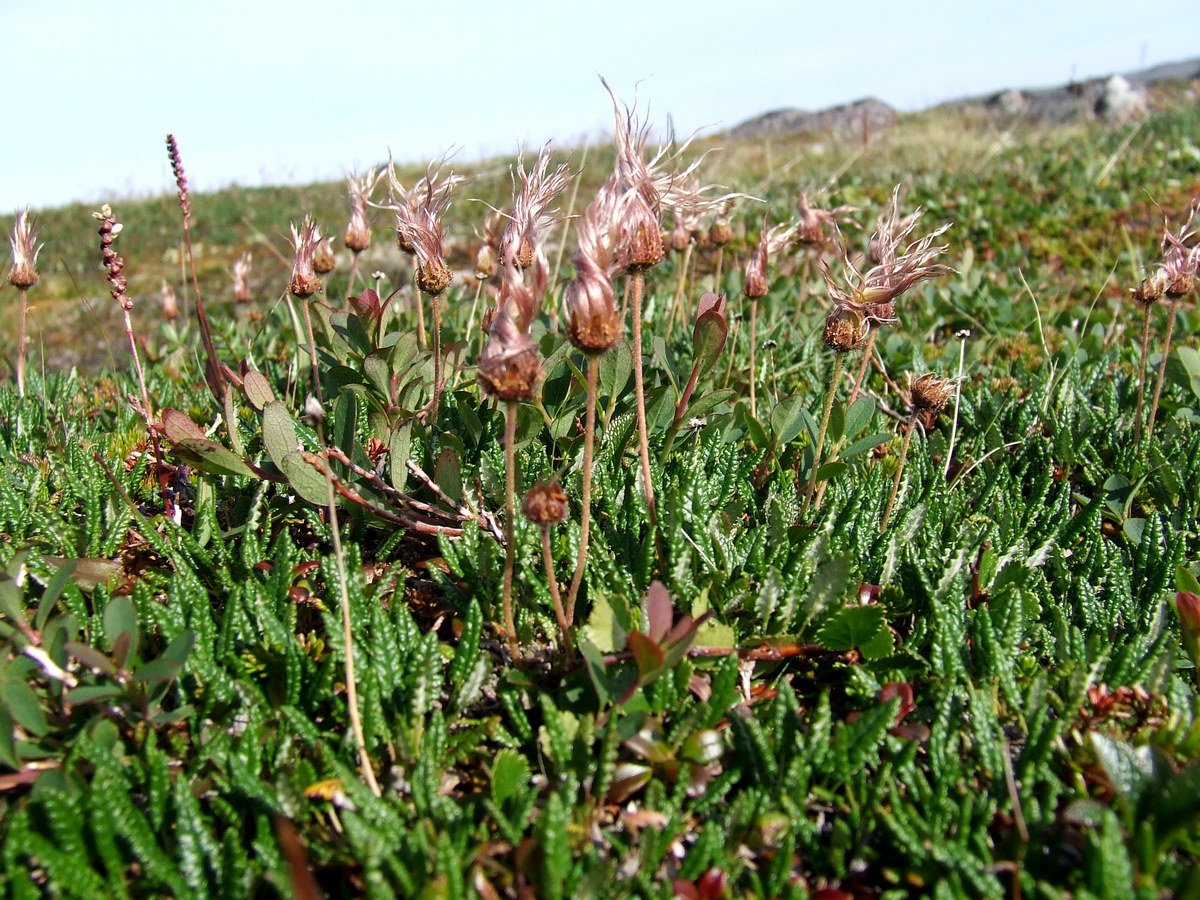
781, 682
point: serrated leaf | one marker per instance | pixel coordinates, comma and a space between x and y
602, 628
1129, 768
510, 776
852, 627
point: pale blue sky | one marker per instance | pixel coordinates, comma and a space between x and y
268, 92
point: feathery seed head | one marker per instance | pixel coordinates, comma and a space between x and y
1151, 288
419, 228
509, 366
815, 225
358, 231
657, 183
170, 304
532, 214
1180, 262
323, 258
241, 279
593, 320
304, 282
872, 295
770, 242
25, 250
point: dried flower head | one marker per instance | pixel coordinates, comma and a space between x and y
509, 366
419, 228
1151, 288
545, 504
873, 294
532, 213
323, 258
658, 183
930, 393
815, 226
25, 249
593, 321
770, 242
721, 231
304, 281
241, 279
846, 329
360, 189
1180, 261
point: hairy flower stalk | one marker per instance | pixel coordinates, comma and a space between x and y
895, 271
1146, 294
420, 231
1178, 268
510, 369
358, 231
930, 394
545, 505
863, 300
651, 186
114, 265
23, 275
315, 416
216, 375
754, 285
593, 326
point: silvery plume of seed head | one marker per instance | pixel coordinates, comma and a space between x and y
358, 230
419, 228
899, 265
770, 242
589, 301
1179, 261
533, 213
25, 249
658, 183
305, 240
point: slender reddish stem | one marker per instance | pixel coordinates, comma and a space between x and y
585, 512
510, 524
640, 392
833, 380
21, 346
564, 625
862, 367
1162, 365
1137, 421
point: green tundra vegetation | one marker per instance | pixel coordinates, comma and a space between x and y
629, 522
